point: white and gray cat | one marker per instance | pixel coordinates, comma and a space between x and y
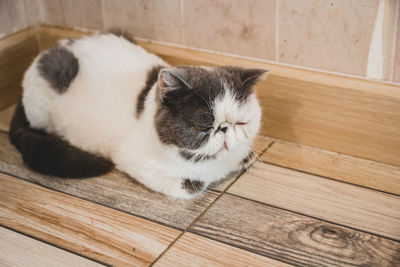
101, 101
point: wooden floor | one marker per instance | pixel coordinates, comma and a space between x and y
297, 206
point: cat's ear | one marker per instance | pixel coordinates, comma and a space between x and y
170, 80
250, 77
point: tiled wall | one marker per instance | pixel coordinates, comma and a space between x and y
326, 35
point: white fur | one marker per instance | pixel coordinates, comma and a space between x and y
97, 114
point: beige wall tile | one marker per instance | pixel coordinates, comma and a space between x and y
32, 12
330, 35
51, 12
12, 16
389, 37
396, 74
232, 26
153, 19
86, 14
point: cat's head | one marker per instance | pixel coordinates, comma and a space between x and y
208, 111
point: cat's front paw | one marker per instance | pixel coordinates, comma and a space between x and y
247, 161
192, 186
183, 188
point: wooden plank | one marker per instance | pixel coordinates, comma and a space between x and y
114, 190
338, 166
104, 234
195, 250
19, 250
5, 118
16, 54
292, 238
341, 203
261, 143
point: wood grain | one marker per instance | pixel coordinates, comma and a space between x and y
338, 166
5, 118
114, 190
341, 203
292, 238
97, 232
16, 54
195, 250
19, 250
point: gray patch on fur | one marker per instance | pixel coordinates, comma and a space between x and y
59, 67
152, 76
248, 157
240, 81
195, 158
192, 186
122, 33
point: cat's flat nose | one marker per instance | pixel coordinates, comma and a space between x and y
223, 127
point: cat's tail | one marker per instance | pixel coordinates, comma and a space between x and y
49, 154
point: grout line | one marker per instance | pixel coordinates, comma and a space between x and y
315, 218
277, 42
182, 22
394, 41
27, 21
53, 245
103, 20
221, 193
61, 4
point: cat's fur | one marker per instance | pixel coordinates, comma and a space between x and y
102, 99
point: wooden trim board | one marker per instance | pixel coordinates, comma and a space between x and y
341, 114
16, 54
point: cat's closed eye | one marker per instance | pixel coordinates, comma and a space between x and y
202, 128
240, 123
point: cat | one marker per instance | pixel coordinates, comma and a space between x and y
99, 102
